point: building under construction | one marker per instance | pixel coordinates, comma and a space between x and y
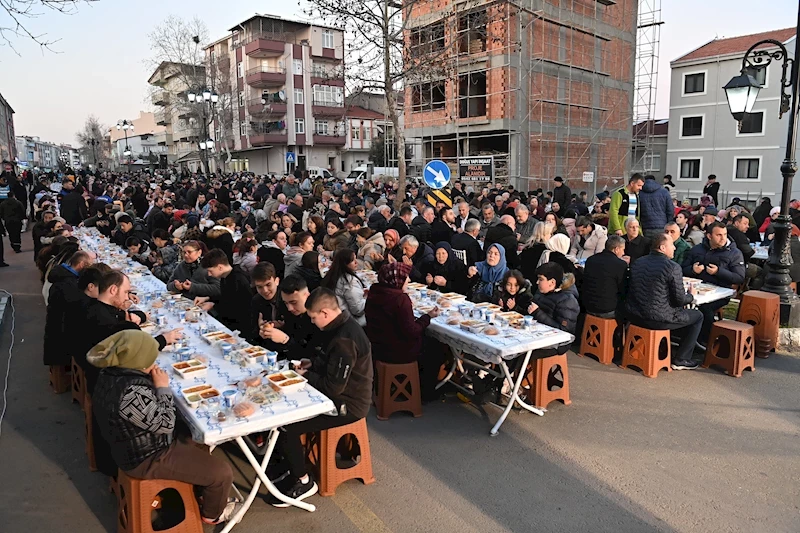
545, 87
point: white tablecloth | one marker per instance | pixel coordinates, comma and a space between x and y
292, 407
762, 252
717, 294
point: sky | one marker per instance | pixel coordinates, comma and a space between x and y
99, 68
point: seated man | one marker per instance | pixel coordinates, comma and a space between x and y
681, 246
232, 306
264, 305
716, 260
656, 300
135, 410
342, 371
590, 239
415, 254
603, 289
293, 337
467, 241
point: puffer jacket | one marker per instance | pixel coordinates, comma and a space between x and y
170, 255
375, 244
292, 260
202, 283
656, 205
338, 241
728, 259
656, 293
559, 309
350, 293
594, 244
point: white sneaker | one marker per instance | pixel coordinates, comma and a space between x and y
230, 510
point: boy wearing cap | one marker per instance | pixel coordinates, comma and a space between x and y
134, 407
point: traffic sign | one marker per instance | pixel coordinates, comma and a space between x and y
436, 174
588, 177
290, 157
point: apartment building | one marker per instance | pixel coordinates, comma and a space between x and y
8, 143
32, 152
146, 141
288, 81
649, 148
364, 127
543, 87
71, 157
705, 139
171, 83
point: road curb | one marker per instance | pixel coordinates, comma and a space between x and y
789, 341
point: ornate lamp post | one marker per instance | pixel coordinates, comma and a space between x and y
126, 125
741, 92
206, 99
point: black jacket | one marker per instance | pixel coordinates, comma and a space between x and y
522, 300
468, 243
342, 368
73, 208
377, 222
232, 307
441, 231
558, 309
424, 254
399, 225
603, 289
562, 195
421, 229
273, 256
741, 241
728, 259
455, 272
64, 294
636, 248
504, 236
712, 189
656, 294
269, 311
529, 260
136, 231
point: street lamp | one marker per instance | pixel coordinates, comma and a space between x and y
207, 99
125, 126
741, 92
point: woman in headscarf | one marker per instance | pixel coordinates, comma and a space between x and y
767, 227
761, 212
446, 273
395, 334
557, 249
486, 275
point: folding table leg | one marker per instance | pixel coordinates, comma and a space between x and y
515, 393
456, 359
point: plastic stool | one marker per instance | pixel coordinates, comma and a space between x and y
761, 310
642, 350
136, 499
59, 381
87, 429
539, 377
398, 389
78, 383
321, 451
732, 346
598, 338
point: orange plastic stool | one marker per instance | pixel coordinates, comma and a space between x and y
761, 310
321, 451
78, 383
598, 338
59, 380
643, 350
731, 345
87, 429
398, 389
539, 379
136, 499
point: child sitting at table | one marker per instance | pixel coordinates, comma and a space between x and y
514, 293
554, 304
138, 251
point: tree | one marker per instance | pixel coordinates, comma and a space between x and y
383, 152
377, 56
19, 12
92, 131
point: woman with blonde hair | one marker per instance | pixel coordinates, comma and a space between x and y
530, 255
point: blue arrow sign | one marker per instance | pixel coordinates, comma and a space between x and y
436, 174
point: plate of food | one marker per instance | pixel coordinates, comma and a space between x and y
425, 308
195, 395
454, 296
190, 369
218, 336
286, 381
416, 286
510, 316
489, 307
473, 326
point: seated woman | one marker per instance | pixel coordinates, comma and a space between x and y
396, 336
557, 249
246, 256
446, 273
370, 248
191, 279
221, 237
300, 243
514, 294
349, 289
316, 227
485, 276
636, 244
530, 255
338, 238
552, 218
289, 224
273, 251
309, 269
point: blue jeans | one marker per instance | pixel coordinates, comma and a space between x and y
687, 331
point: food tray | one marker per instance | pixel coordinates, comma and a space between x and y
473, 326
416, 286
262, 395
286, 381
489, 307
510, 316
218, 336
190, 369
195, 395
425, 308
148, 327
253, 354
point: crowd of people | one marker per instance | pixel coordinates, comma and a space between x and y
278, 260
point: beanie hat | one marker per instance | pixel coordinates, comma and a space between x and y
774, 211
710, 210
131, 348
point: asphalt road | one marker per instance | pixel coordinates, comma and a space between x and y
689, 451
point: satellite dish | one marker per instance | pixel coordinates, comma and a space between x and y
282, 95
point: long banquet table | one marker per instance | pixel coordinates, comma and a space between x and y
222, 374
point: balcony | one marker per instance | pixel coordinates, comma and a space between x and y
327, 108
164, 139
272, 137
329, 140
265, 46
163, 118
273, 109
327, 76
161, 98
264, 76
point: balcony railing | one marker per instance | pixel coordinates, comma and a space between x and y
327, 108
267, 44
255, 107
160, 98
264, 76
329, 139
163, 118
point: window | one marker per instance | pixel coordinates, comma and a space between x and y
472, 95
652, 163
367, 133
298, 67
694, 83
299, 126
240, 69
752, 123
428, 96
355, 132
747, 168
689, 169
241, 98
692, 126
298, 96
759, 73
243, 128
321, 127
327, 39
427, 39
472, 32
327, 95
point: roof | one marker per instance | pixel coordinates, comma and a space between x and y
736, 45
360, 112
274, 17
164, 64
660, 127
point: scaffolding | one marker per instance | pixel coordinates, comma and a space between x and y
648, 37
537, 70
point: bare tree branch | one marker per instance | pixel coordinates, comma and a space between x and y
18, 14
